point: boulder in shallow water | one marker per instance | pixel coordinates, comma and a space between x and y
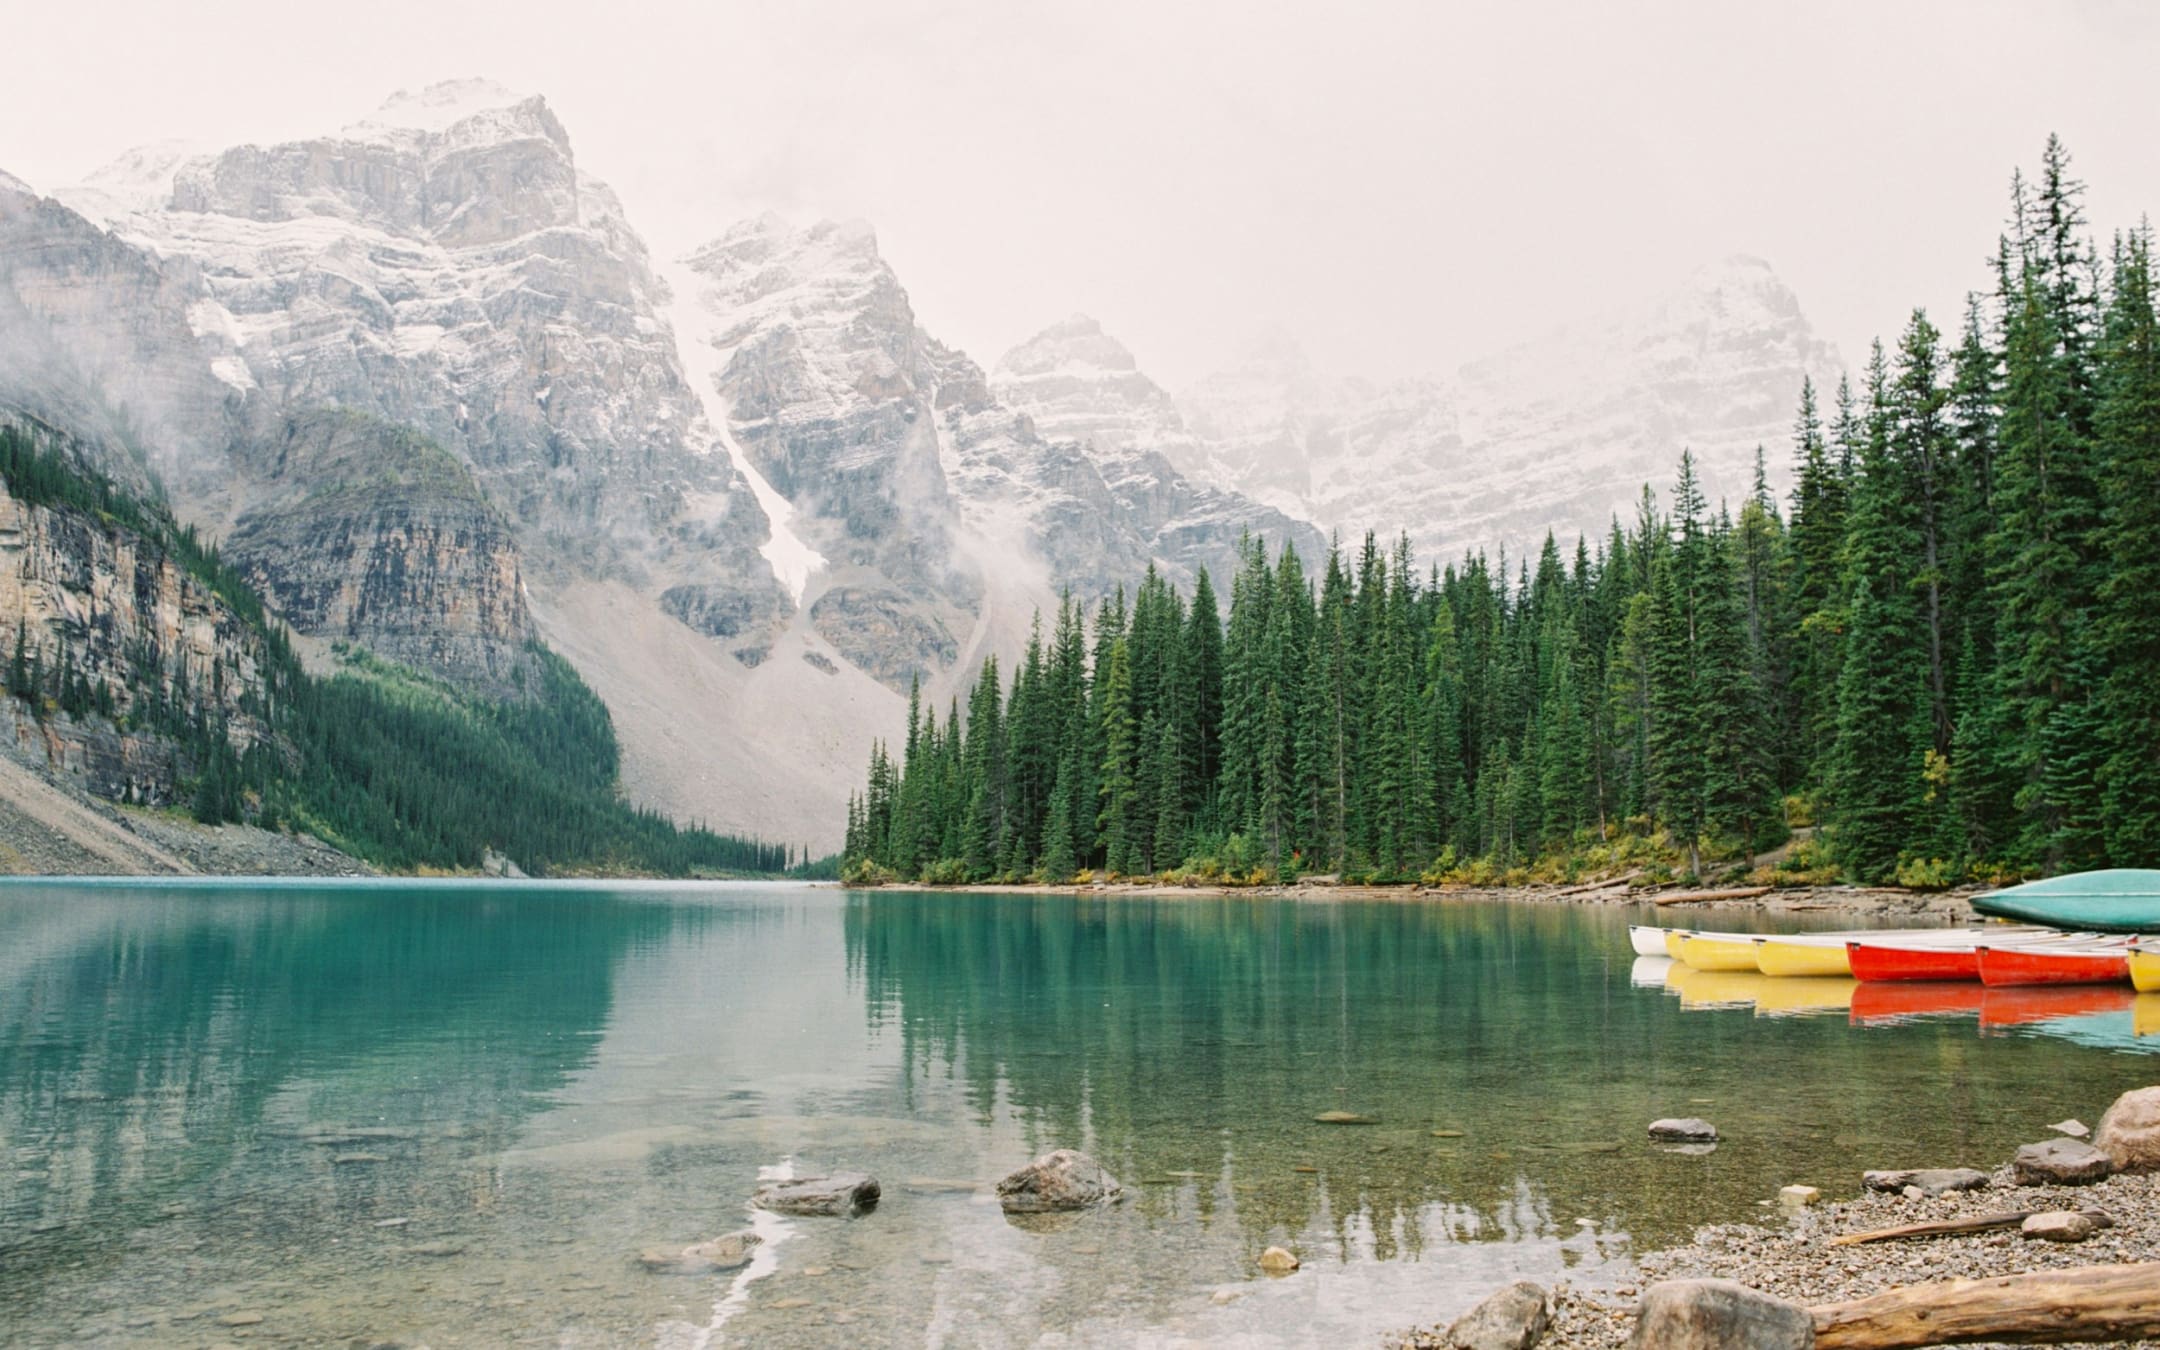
842, 1195
2130, 1131
1513, 1319
2061, 1162
1688, 1130
2073, 1127
1063, 1178
1279, 1261
1718, 1315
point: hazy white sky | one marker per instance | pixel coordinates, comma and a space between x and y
1401, 185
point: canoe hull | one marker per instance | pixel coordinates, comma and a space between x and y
1873, 963
2118, 900
2006, 966
1646, 940
1708, 953
1801, 960
2145, 971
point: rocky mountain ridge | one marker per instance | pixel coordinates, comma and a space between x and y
425, 378
1557, 434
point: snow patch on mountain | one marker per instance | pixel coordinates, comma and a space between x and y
793, 560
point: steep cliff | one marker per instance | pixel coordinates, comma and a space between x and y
367, 532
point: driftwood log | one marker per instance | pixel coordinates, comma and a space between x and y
1978, 1223
1698, 897
2094, 1303
1604, 885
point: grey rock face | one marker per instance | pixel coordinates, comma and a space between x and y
1718, 1315
884, 632
370, 533
2130, 1131
841, 1195
1688, 1130
1059, 1180
1927, 1180
1515, 1318
2061, 1162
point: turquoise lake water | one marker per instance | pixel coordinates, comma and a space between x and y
452, 1114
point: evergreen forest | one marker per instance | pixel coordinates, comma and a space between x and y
1937, 658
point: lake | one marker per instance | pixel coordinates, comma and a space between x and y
453, 1113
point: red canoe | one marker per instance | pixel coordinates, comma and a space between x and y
1876, 962
2053, 965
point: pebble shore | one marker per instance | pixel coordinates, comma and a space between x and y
1791, 1258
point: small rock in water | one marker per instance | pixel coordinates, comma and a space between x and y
2073, 1127
701, 1258
392, 1223
1928, 1180
442, 1248
1691, 1129
2061, 1225
1718, 1315
2130, 1131
1223, 1297
1063, 1178
1447, 1134
347, 1159
1798, 1197
841, 1195
1342, 1118
241, 1319
1278, 1261
2064, 1162
1512, 1319
1304, 1167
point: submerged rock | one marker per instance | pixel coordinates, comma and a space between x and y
1926, 1180
1343, 1118
1718, 1315
2062, 1162
2130, 1131
1060, 1179
1515, 1318
2073, 1127
841, 1195
1279, 1261
1798, 1197
1690, 1130
701, 1258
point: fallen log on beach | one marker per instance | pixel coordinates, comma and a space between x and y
1604, 885
1978, 1223
2094, 1303
1699, 897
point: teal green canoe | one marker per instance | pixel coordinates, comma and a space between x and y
2118, 900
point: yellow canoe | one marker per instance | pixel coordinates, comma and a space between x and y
1798, 996
2145, 1015
1782, 957
2145, 970
1673, 938
1718, 953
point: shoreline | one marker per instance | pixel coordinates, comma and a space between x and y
1947, 907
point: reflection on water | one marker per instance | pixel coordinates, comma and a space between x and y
456, 1113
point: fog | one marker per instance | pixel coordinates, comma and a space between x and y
1399, 186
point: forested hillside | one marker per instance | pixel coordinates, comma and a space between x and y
1943, 652
391, 766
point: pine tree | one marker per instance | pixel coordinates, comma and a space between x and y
2127, 635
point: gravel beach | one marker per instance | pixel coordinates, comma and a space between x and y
1791, 1257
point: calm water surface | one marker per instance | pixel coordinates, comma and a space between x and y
452, 1114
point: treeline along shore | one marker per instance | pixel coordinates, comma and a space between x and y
1937, 660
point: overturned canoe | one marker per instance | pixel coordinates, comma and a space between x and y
2116, 900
